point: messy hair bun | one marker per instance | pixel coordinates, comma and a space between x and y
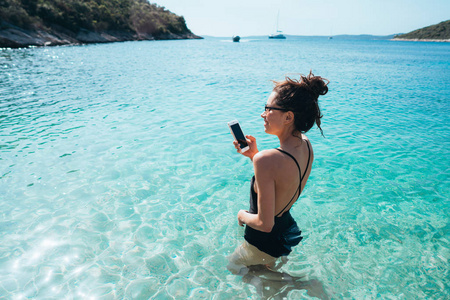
301, 96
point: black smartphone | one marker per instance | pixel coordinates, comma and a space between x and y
238, 135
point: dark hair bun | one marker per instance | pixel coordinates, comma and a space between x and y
317, 85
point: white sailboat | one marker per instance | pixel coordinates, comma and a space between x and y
278, 34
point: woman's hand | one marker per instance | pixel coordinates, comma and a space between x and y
253, 149
240, 215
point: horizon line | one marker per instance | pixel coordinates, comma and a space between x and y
296, 35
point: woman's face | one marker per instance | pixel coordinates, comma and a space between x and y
272, 116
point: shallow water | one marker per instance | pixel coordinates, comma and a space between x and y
118, 178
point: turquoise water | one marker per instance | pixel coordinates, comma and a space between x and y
119, 180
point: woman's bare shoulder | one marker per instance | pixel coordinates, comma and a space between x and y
267, 157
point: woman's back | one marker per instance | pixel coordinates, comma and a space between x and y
286, 175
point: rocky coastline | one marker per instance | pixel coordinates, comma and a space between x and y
421, 40
14, 37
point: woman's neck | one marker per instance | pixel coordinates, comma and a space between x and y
289, 140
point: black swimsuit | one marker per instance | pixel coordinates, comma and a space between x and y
285, 233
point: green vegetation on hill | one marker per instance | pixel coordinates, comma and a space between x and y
134, 16
439, 31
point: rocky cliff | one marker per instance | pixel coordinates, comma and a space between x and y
61, 22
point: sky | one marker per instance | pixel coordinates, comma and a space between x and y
299, 17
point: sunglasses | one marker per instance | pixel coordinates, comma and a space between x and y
267, 108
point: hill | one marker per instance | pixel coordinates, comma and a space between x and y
59, 22
438, 32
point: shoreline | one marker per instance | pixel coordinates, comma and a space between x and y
15, 37
421, 40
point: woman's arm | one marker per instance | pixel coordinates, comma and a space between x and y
265, 181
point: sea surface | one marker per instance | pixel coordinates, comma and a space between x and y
119, 179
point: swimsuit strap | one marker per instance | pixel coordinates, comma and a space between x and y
309, 157
299, 189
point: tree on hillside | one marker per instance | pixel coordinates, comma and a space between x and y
138, 16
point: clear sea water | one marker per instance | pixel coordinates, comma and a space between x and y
119, 180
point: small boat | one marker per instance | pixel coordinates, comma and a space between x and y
236, 38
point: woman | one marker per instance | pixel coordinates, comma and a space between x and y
280, 174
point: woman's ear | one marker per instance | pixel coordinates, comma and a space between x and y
289, 117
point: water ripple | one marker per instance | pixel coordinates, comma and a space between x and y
118, 179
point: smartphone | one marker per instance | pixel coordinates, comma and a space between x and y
238, 135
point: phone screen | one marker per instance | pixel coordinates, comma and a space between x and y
237, 131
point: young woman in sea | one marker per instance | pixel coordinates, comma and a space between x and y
280, 174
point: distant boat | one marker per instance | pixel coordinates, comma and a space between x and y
236, 38
278, 34
330, 37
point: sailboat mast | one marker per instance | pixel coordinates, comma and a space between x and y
278, 16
